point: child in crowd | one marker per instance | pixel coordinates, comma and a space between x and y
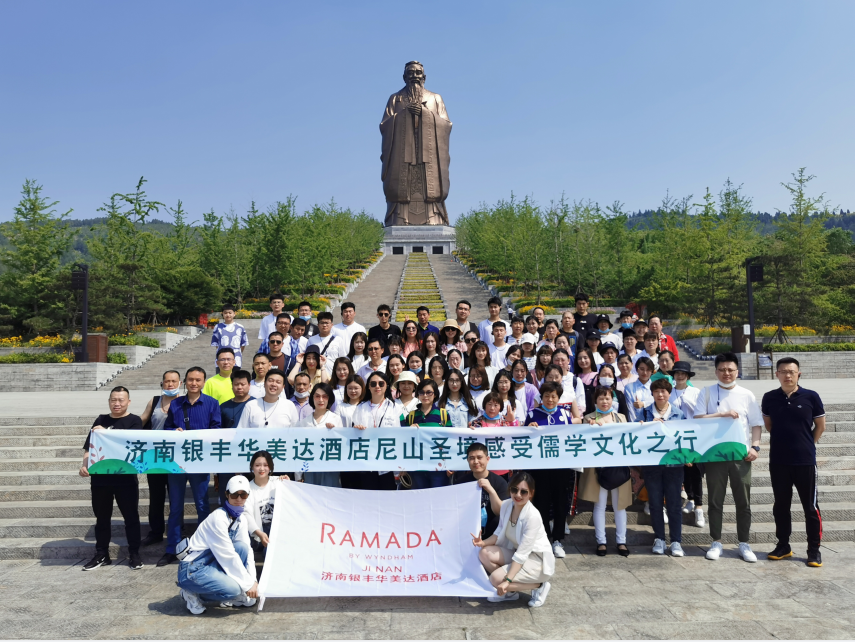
229, 334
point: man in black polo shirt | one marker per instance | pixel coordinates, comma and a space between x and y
494, 489
586, 322
795, 420
384, 330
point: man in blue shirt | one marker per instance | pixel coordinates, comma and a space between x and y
795, 420
230, 412
194, 411
425, 326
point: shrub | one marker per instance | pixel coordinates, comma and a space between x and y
704, 332
133, 340
117, 357
37, 357
792, 330
810, 347
838, 330
714, 347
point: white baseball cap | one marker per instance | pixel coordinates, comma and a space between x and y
528, 337
236, 484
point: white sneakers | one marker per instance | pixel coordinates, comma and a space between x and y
241, 600
689, 507
676, 550
507, 597
194, 604
538, 595
746, 552
558, 549
659, 546
714, 551
699, 517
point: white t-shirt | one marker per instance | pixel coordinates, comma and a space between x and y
334, 346
260, 414
384, 415
485, 329
261, 502
345, 412
346, 332
685, 400
367, 369
329, 417
713, 399
268, 325
497, 355
358, 361
292, 347
256, 389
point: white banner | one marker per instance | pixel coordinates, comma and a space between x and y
334, 541
428, 448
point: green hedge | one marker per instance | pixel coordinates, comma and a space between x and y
133, 340
36, 357
117, 357
811, 347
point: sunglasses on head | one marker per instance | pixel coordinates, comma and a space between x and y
522, 491
377, 384
240, 494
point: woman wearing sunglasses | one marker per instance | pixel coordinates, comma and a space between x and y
219, 565
378, 410
518, 556
428, 414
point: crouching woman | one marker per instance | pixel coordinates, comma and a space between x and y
220, 566
518, 556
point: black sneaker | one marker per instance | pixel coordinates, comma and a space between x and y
150, 539
168, 558
98, 560
135, 562
814, 559
782, 551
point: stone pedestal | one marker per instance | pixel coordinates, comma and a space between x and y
432, 239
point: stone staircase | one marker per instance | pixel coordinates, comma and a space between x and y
46, 513
196, 351
378, 287
836, 464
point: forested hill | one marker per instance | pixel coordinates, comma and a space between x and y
643, 220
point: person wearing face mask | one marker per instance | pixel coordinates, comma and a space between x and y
618, 493
604, 327
624, 321
105, 487
606, 379
219, 565
415, 364
154, 418
726, 399
304, 312
556, 485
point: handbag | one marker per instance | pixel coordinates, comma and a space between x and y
612, 477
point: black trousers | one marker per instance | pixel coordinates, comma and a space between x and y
553, 490
156, 501
128, 500
804, 478
693, 484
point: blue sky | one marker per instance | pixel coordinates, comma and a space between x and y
222, 103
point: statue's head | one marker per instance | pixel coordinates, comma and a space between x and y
414, 73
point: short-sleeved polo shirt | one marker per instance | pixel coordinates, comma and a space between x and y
791, 437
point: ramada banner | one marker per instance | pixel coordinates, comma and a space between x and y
394, 449
333, 541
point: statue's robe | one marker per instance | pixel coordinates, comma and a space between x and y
415, 161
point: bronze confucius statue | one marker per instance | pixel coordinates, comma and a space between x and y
415, 130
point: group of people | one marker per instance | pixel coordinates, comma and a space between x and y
525, 371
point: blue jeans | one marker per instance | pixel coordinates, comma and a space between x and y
328, 479
206, 578
177, 484
429, 479
664, 483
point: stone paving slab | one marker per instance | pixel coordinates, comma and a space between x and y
643, 596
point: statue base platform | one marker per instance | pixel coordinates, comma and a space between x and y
432, 239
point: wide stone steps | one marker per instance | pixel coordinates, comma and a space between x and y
762, 533
45, 506
71, 508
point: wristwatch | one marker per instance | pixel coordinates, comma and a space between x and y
757, 448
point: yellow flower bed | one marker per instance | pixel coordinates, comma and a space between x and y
546, 309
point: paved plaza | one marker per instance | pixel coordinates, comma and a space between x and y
643, 596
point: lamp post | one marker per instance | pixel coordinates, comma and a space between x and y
80, 281
753, 274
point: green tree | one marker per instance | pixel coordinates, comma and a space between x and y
37, 238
